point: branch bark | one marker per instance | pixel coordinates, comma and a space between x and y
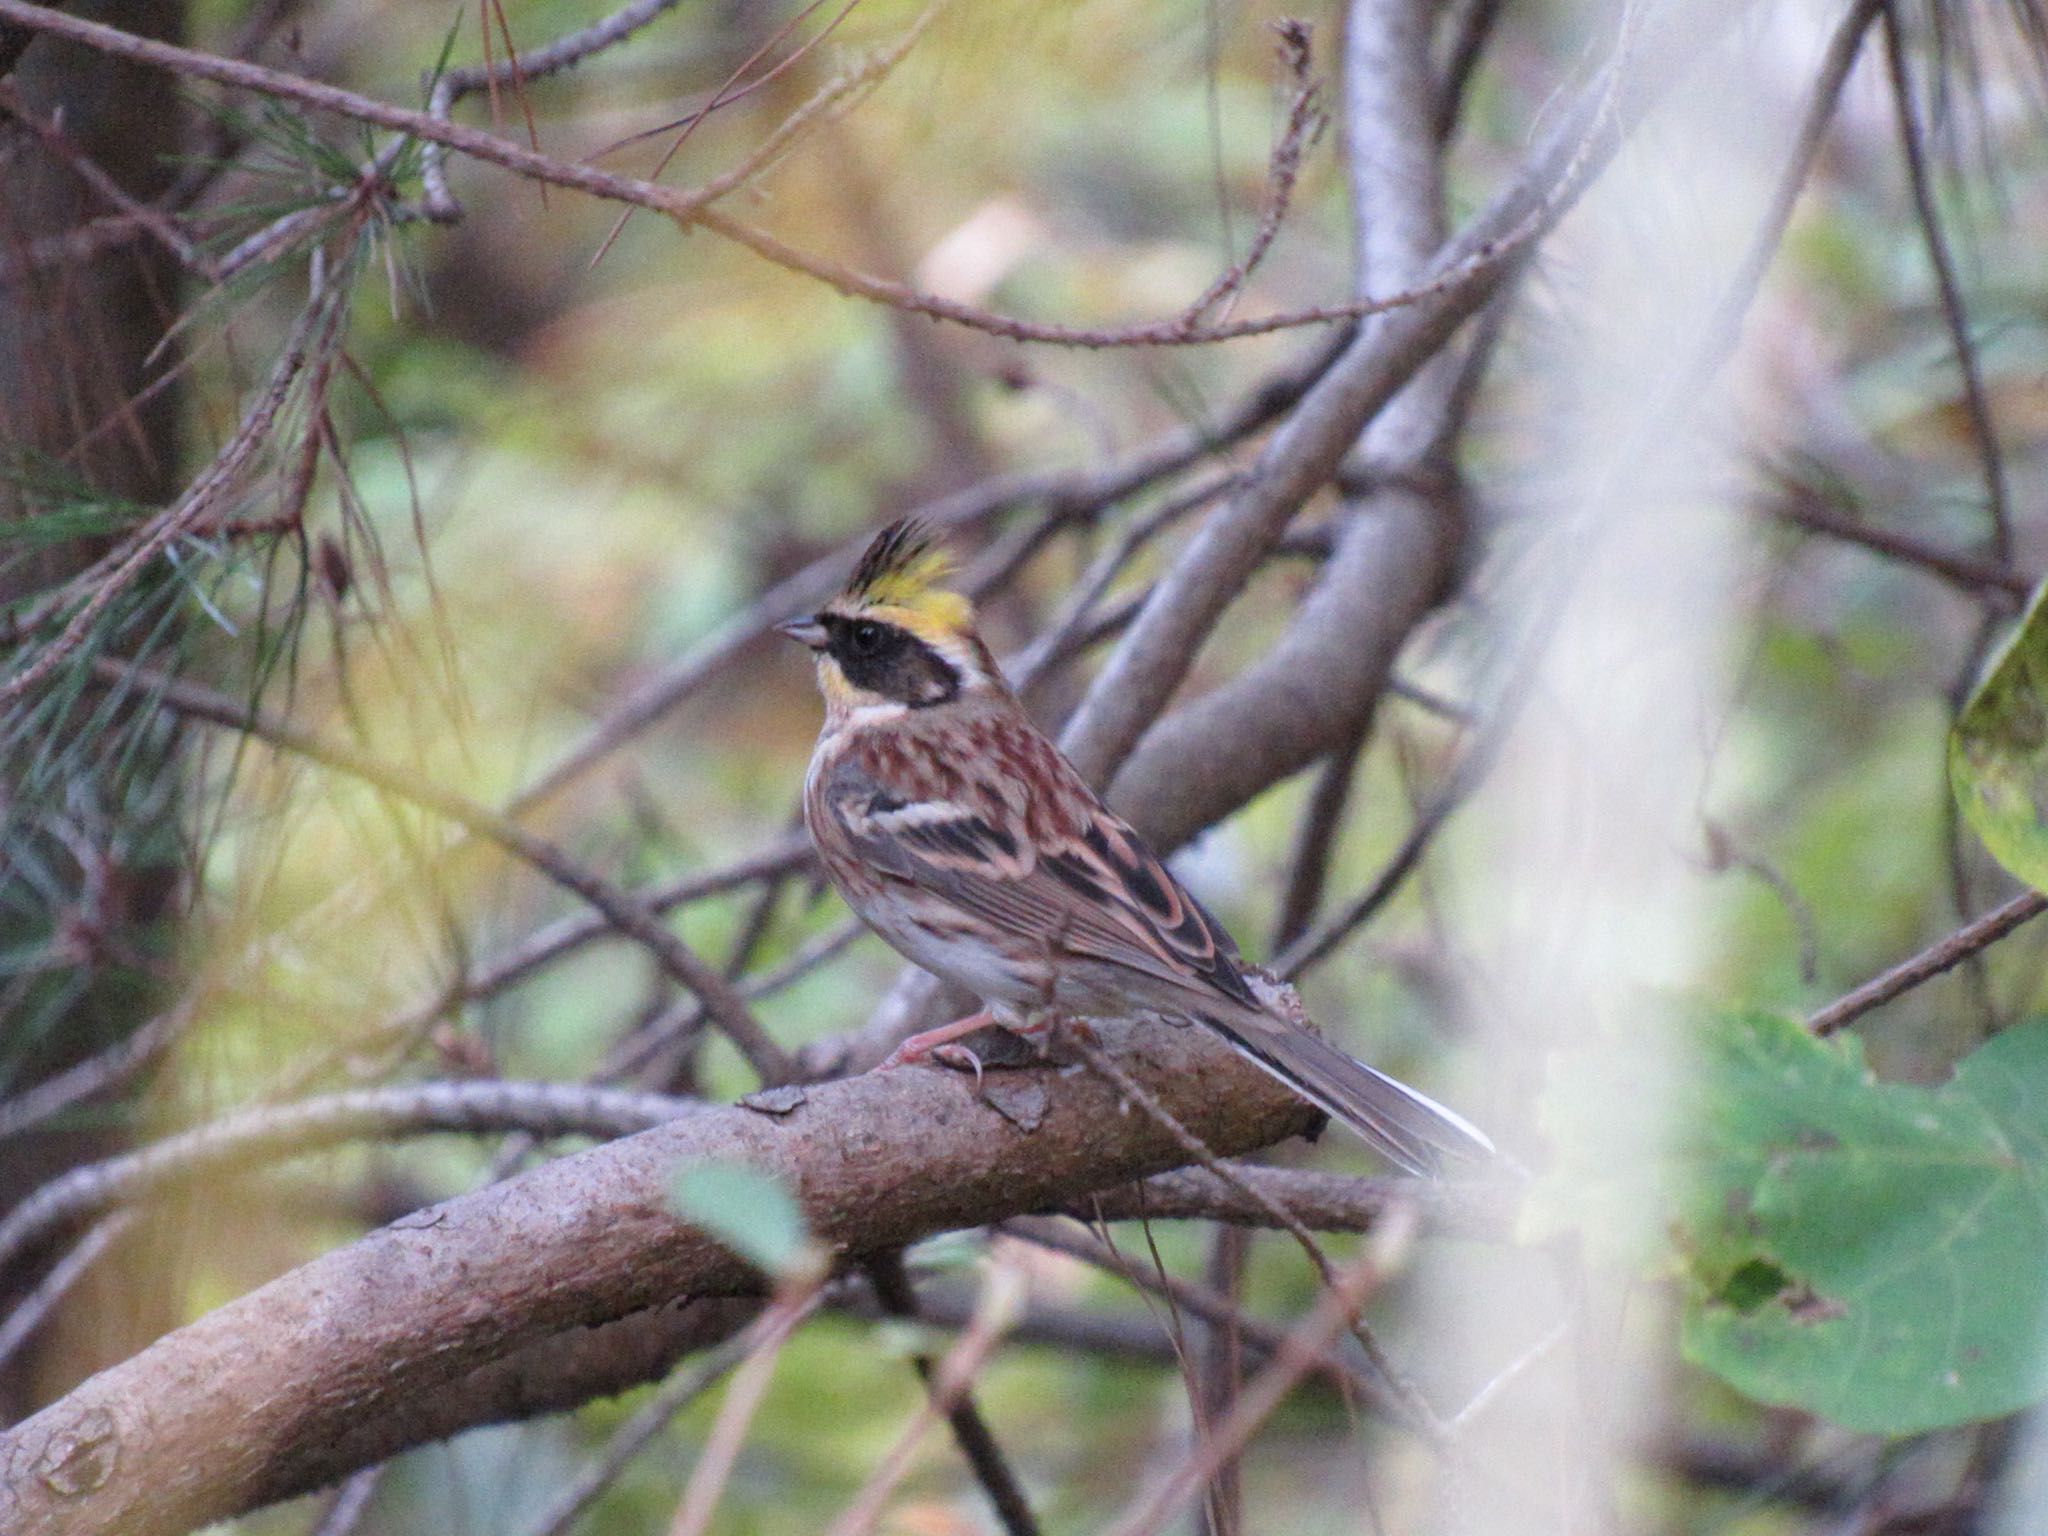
1302, 457
312, 1376
1399, 548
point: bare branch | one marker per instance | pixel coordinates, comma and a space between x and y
694, 208
970, 1428
792, 1304
151, 219
312, 338
1805, 508
1196, 1299
1474, 22
1324, 1202
1976, 400
1305, 122
570, 49
1415, 1410
1297, 1355
727, 1009
1951, 952
31, 1311
949, 1381
1066, 494
306, 1380
1724, 329
290, 1130
95, 1075
638, 1432
1303, 456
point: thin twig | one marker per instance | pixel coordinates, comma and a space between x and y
1477, 1403
831, 101
1976, 399
1219, 1377
1316, 838
1806, 508
706, 1486
1106, 1067
29, 1313
1305, 122
949, 1382
1724, 327
1929, 963
1081, 1328
1297, 1355
638, 1432
570, 933
290, 1130
1067, 634
1324, 1202
1956, 841
1415, 1410
146, 217
95, 1075
313, 334
1066, 494
536, 64
1476, 762
970, 1429
644, 1044
1475, 23
691, 208
1198, 1300
351, 1502
728, 1010
724, 96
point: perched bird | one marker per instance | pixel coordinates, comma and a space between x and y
961, 835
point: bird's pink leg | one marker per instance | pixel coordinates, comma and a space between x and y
918, 1047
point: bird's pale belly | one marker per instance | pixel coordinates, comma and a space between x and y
969, 962
1019, 987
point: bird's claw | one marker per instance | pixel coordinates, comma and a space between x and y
928, 1044
960, 1059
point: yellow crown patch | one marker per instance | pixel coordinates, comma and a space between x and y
902, 568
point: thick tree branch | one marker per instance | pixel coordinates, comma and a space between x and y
567, 1369
1304, 455
1398, 551
311, 1377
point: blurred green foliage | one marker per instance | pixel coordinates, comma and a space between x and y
1998, 751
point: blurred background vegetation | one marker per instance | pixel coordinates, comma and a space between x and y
544, 463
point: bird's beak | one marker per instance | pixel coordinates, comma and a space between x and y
807, 632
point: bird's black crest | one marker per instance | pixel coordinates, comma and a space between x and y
896, 551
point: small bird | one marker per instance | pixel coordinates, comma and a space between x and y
958, 832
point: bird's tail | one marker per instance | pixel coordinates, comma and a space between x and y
1410, 1129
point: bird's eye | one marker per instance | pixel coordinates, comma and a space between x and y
865, 638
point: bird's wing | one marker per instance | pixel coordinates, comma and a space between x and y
1091, 891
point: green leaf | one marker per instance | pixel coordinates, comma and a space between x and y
748, 1209
1998, 751
1871, 1252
